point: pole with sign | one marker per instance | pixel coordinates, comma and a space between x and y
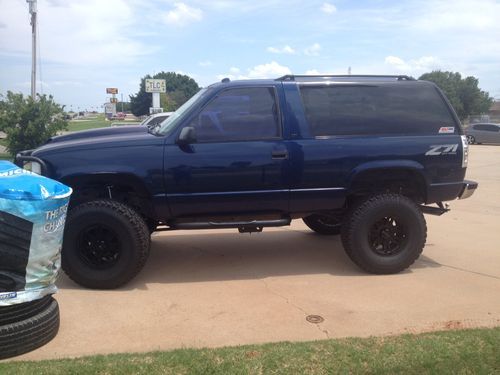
155, 86
110, 109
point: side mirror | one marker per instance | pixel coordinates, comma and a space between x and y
187, 136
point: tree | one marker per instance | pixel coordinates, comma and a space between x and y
29, 123
464, 93
179, 89
123, 107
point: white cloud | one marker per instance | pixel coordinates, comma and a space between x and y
205, 63
313, 50
424, 63
285, 50
464, 15
316, 72
270, 70
74, 33
183, 14
328, 8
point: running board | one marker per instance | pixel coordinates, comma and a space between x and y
242, 226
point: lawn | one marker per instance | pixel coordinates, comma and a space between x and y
97, 122
448, 352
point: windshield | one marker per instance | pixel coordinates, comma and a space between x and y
171, 122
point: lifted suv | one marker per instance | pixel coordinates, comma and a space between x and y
360, 156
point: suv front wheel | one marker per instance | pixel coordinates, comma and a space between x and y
106, 244
385, 234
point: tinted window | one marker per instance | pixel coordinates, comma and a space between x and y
479, 127
239, 114
491, 128
363, 110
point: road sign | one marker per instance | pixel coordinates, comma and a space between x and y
112, 90
113, 100
156, 85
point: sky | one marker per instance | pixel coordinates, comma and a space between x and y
88, 45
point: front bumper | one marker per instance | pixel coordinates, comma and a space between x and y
469, 187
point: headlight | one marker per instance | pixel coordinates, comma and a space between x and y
33, 166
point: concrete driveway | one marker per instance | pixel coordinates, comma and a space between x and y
218, 288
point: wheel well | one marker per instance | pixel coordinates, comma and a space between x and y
407, 182
126, 189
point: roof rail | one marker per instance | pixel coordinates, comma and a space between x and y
298, 78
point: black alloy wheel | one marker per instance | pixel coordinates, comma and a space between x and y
385, 233
106, 244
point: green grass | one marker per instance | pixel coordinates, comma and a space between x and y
474, 351
94, 123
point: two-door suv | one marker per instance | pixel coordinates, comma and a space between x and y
360, 156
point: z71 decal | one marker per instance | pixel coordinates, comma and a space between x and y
442, 150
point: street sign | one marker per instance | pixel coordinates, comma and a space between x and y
110, 109
113, 100
153, 110
156, 85
112, 90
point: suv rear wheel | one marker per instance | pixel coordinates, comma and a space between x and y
106, 244
385, 234
324, 224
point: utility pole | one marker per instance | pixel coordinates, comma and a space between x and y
32, 5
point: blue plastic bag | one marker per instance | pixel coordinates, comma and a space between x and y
32, 215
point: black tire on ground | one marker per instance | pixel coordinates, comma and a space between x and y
384, 234
471, 140
106, 244
323, 224
31, 333
21, 311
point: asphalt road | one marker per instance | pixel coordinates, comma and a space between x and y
218, 288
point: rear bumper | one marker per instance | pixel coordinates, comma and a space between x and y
469, 187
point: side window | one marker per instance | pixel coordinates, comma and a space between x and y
396, 109
239, 114
492, 128
157, 120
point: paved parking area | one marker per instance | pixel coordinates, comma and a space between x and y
218, 288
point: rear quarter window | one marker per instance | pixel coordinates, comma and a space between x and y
382, 110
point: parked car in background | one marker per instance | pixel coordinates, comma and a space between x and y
156, 119
483, 133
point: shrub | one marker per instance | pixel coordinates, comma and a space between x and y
29, 123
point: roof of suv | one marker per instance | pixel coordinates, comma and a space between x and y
322, 79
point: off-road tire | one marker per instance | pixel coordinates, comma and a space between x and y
130, 231
30, 333
318, 224
361, 220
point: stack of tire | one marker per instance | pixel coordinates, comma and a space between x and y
32, 216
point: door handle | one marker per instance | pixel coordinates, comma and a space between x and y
279, 154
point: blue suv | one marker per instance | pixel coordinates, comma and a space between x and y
359, 156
